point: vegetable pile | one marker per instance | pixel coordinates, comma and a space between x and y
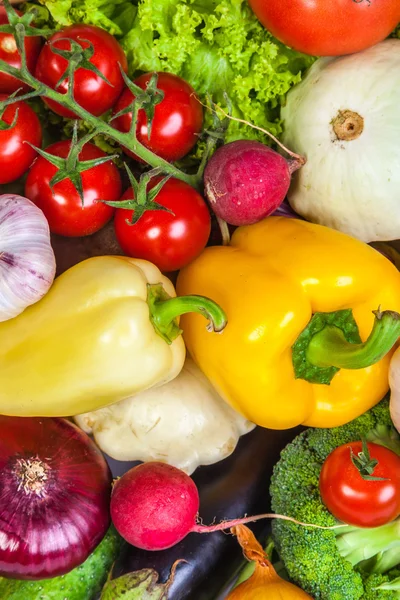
164, 141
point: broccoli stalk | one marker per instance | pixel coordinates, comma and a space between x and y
378, 547
345, 563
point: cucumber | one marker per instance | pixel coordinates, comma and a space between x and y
82, 583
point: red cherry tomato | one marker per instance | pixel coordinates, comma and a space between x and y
357, 501
326, 28
10, 54
16, 156
177, 121
168, 240
90, 91
62, 206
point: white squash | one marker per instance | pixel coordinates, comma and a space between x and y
184, 423
344, 117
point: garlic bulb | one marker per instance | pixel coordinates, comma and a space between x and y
27, 261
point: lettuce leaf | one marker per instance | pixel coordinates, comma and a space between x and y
218, 46
115, 16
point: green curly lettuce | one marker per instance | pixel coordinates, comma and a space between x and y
218, 46
115, 16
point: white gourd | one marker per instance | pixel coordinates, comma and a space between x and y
344, 117
184, 423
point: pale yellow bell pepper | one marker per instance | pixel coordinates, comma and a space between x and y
106, 330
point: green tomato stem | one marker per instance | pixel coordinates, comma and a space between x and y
329, 348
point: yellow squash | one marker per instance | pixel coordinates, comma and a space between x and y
271, 280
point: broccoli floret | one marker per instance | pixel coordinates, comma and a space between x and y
342, 564
382, 587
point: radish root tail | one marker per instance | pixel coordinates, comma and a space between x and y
199, 528
301, 160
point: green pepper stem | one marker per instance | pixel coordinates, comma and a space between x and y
329, 348
168, 310
164, 311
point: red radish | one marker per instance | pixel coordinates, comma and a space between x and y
246, 181
154, 506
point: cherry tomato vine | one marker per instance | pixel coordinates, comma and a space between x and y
20, 26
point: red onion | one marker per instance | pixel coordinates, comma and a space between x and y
55, 492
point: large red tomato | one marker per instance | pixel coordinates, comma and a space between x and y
16, 155
355, 500
170, 240
90, 91
177, 121
62, 206
10, 54
327, 27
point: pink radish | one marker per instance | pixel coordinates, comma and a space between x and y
154, 506
246, 181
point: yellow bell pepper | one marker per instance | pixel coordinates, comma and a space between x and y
106, 330
271, 280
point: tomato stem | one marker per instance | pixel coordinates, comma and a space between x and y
127, 140
142, 198
364, 464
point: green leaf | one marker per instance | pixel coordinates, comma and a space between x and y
218, 46
57, 161
106, 14
139, 585
393, 585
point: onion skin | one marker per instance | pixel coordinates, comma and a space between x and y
265, 583
49, 526
246, 181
